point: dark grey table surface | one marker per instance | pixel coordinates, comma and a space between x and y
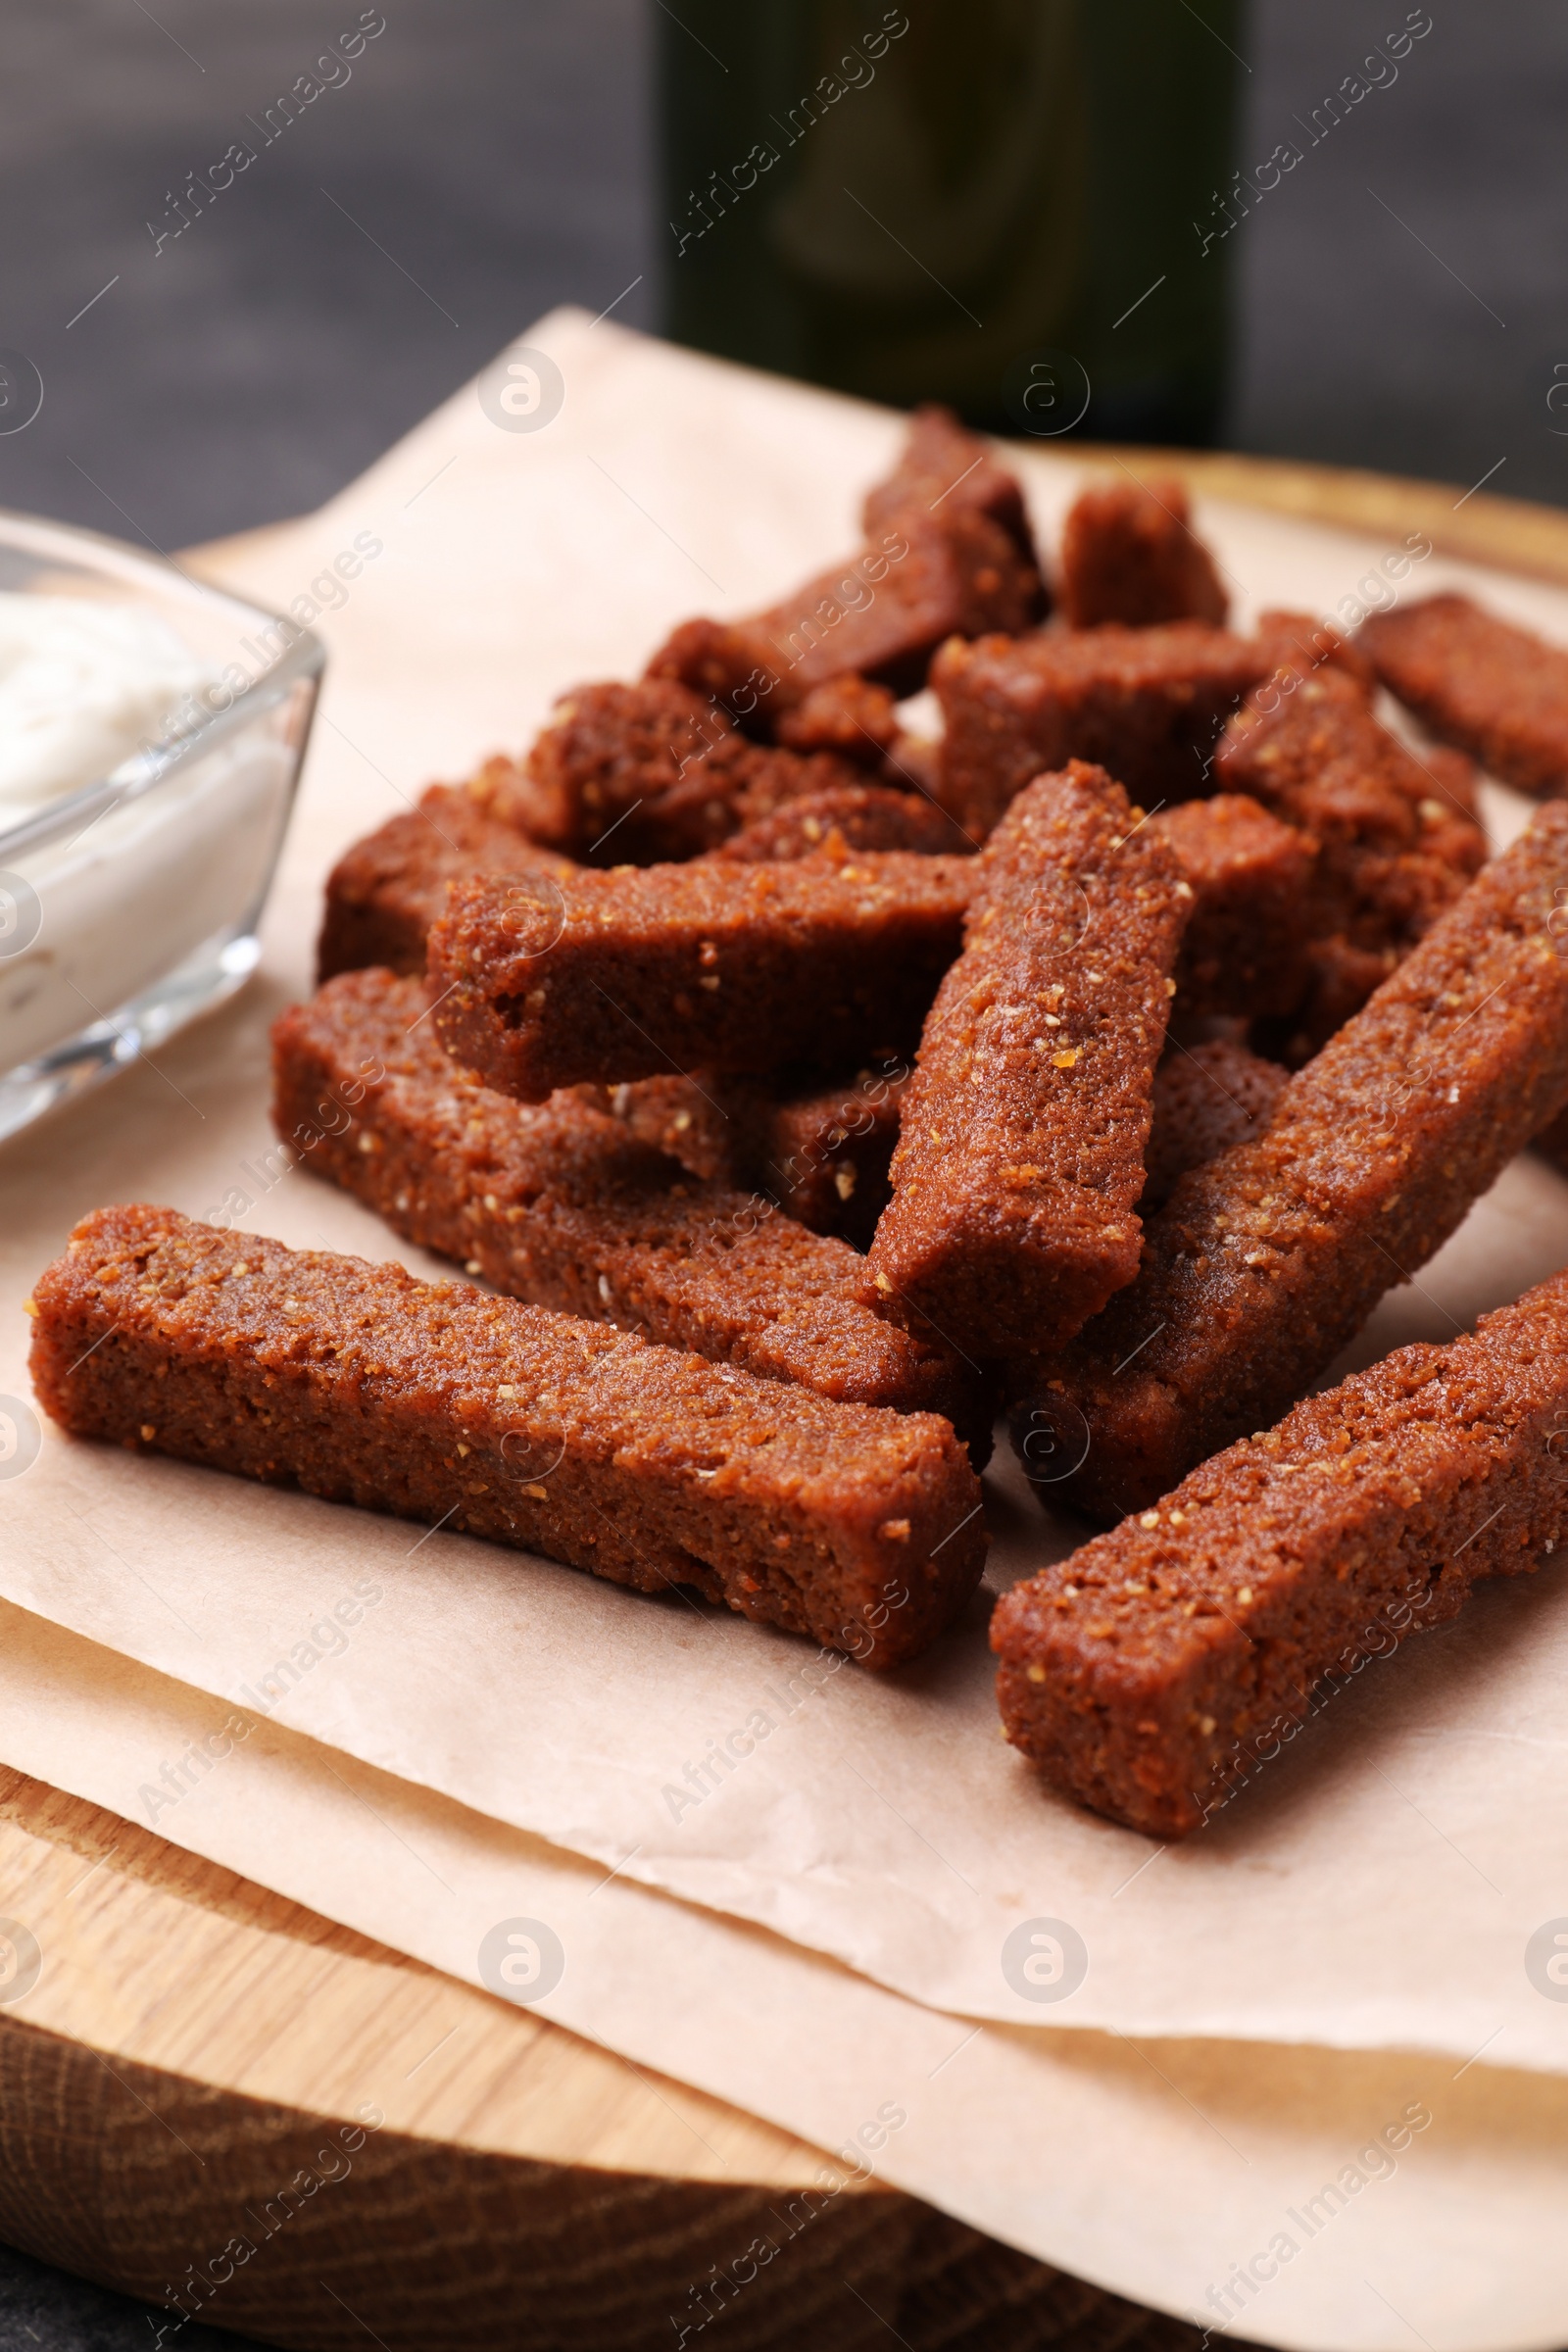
1402, 297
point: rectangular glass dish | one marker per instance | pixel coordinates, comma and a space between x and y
130, 901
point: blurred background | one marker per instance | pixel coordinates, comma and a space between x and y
1396, 301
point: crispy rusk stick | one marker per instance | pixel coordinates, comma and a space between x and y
1298, 644
863, 816
924, 579
1129, 554
819, 1152
695, 1120
436, 1401
634, 763
848, 716
1453, 778
941, 467
387, 891
1148, 704
1206, 1098
1264, 1264
1476, 680
561, 1204
1020, 1156
631, 774
1396, 843
1150, 1674
1246, 946
1396, 834
708, 966
947, 551
823, 1152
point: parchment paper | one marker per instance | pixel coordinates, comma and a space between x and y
1157, 2170
1379, 1886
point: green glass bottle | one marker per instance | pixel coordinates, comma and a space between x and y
1013, 206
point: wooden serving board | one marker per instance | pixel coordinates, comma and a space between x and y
205, 2041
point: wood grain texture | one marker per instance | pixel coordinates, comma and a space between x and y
198, 2065
197, 2044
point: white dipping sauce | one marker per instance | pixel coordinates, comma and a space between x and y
82, 687
156, 876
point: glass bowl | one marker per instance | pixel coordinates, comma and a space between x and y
130, 905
